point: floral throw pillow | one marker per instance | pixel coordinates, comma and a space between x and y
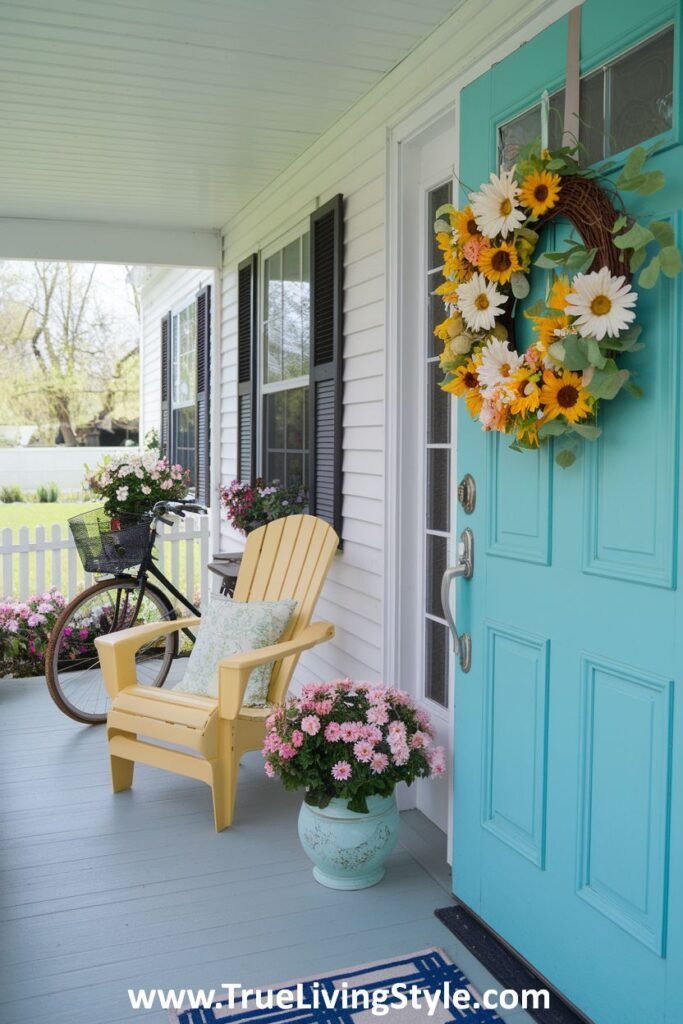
235, 627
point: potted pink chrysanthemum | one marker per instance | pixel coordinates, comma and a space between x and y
348, 745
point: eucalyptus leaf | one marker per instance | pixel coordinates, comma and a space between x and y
670, 261
595, 356
519, 283
634, 162
553, 428
557, 351
587, 430
663, 231
651, 182
607, 383
649, 275
579, 263
635, 238
575, 353
535, 310
442, 225
634, 390
638, 257
556, 164
528, 234
619, 223
446, 208
565, 458
550, 260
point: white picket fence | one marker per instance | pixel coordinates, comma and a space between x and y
49, 559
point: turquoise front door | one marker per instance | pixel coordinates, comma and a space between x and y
568, 802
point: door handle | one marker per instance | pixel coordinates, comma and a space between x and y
464, 567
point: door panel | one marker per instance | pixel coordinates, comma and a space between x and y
568, 728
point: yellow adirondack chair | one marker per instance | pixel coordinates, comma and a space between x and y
289, 558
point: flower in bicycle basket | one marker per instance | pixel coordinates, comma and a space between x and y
132, 482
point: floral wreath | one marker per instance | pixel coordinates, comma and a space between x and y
587, 320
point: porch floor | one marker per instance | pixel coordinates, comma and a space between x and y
100, 894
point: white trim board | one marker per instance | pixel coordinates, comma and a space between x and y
92, 242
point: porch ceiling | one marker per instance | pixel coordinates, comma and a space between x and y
177, 112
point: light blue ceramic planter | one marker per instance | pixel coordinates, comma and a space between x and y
349, 850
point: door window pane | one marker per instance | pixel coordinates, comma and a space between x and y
437, 197
438, 407
436, 662
438, 489
437, 561
624, 103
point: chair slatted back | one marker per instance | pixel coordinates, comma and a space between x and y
289, 558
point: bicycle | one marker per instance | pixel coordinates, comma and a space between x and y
113, 544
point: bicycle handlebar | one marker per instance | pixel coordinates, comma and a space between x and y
178, 508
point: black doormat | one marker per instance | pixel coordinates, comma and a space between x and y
511, 971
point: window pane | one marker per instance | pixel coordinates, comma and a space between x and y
641, 93
275, 420
439, 408
184, 356
526, 128
184, 428
436, 662
437, 198
291, 311
438, 489
286, 454
272, 340
435, 316
305, 302
592, 112
437, 556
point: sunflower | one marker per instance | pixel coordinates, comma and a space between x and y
525, 389
540, 191
565, 395
558, 293
527, 433
499, 262
464, 379
465, 225
448, 292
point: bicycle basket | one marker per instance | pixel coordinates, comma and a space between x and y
108, 543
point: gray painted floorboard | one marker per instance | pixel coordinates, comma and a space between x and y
99, 894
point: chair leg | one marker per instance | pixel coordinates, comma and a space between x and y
224, 772
121, 773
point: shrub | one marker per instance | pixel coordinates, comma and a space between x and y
47, 493
11, 493
25, 631
351, 741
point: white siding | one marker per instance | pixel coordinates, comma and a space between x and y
165, 290
351, 158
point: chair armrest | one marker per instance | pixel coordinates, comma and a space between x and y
234, 672
117, 650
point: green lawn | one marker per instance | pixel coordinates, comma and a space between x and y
32, 514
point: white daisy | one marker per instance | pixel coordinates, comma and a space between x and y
496, 207
498, 363
601, 304
480, 303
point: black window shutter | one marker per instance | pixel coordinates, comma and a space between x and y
165, 424
203, 426
247, 379
326, 379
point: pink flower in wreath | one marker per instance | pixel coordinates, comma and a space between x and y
297, 738
363, 751
341, 771
311, 724
332, 732
379, 763
473, 249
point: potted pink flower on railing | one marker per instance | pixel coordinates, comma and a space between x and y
348, 745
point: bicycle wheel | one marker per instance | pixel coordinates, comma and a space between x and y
72, 667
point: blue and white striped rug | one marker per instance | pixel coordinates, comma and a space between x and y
434, 989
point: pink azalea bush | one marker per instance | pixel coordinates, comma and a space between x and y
132, 482
350, 740
25, 631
